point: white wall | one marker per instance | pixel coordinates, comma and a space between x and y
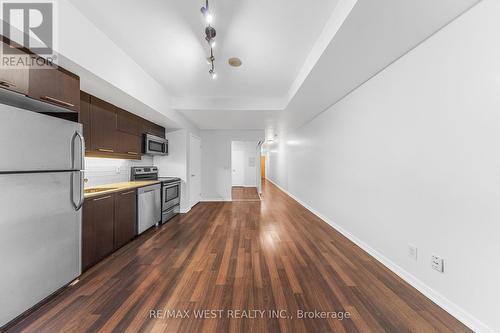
249, 149
176, 163
216, 160
101, 171
413, 157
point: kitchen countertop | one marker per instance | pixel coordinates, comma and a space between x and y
118, 187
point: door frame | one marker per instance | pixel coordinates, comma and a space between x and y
191, 205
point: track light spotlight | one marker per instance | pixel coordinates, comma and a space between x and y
213, 74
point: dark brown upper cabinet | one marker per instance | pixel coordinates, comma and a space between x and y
14, 79
84, 118
51, 90
129, 123
113, 132
152, 128
55, 86
129, 144
103, 122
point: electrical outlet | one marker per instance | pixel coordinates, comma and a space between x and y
117, 170
412, 251
437, 264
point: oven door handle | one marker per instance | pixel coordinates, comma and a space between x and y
171, 185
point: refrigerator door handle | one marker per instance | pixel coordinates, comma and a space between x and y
82, 151
82, 191
81, 195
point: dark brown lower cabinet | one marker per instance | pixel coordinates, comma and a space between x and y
97, 229
125, 217
108, 223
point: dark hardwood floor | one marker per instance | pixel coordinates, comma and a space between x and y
244, 194
268, 255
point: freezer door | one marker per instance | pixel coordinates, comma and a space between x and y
31, 141
40, 238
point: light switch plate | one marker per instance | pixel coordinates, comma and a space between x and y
437, 263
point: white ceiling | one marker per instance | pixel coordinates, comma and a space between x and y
299, 57
166, 37
375, 34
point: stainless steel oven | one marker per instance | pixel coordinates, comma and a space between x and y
170, 190
171, 198
171, 195
154, 145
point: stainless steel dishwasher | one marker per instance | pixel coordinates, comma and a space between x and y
148, 207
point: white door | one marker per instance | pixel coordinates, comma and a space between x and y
238, 165
194, 170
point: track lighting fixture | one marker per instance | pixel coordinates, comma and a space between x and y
213, 74
210, 34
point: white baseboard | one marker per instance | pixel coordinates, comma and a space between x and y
185, 210
214, 200
456, 311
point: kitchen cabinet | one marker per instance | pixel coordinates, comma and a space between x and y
14, 79
129, 135
125, 218
109, 222
84, 117
55, 86
113, 132
97, 229
129, 123
152, 128
47, 89
103, 122
129, 144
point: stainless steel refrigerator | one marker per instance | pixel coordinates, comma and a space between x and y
41, 195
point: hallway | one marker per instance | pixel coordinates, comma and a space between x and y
239, 193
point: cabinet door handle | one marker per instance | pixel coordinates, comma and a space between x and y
128, 193
57, 101
7, 83
106, 150
99, 199
132, 153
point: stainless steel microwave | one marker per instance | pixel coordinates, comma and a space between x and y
154, 145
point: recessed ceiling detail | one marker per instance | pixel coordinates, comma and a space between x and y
284, 81
235, 62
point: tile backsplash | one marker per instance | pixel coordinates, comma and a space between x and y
101, 171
